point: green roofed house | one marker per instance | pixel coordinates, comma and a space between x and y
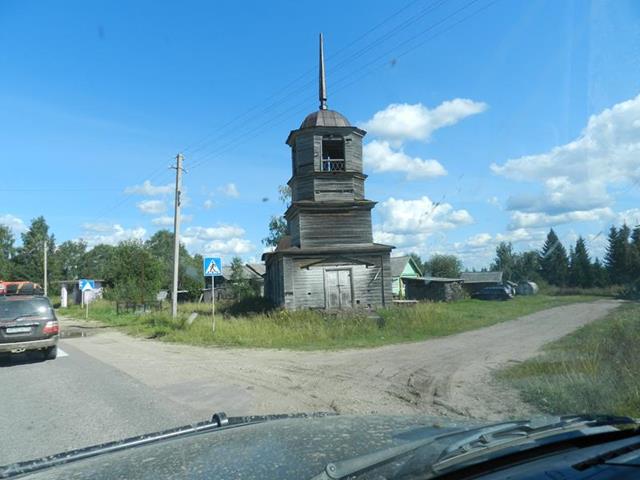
401, 268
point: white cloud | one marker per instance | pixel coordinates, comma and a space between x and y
147, 188
231, 247
420, 216
402, 121
223, 240
110, 234
208, 204
631, 217
575, 177
230, 190
479, 240
539, 219
152, 207
166, 220
15, 224
382, 158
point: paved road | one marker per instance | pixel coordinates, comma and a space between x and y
76, 401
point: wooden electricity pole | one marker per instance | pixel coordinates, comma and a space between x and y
176, 236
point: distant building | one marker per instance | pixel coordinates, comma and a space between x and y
435, 289
328, 260
250, 272
474, 281
401, 269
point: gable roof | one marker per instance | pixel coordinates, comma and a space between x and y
258, 268
398, 265
482, 277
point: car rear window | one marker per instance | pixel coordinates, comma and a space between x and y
12, 309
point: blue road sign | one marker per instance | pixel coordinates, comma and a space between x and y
86, 284
212, 267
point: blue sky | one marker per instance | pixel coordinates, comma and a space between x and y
488, 120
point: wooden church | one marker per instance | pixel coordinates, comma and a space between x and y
328, 259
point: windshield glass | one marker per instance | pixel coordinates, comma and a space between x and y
369, 208
12, 309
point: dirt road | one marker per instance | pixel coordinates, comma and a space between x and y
444, 376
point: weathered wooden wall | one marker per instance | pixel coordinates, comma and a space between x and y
335, 228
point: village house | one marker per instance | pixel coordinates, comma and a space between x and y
402, 268
328, 260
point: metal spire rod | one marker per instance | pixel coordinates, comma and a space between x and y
323, 82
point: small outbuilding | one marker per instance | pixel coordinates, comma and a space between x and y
475, 281
527, 288
402, 268
435, 289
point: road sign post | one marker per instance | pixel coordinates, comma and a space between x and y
212, 267
85, 285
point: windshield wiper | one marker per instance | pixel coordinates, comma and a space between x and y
218, 421
475, 442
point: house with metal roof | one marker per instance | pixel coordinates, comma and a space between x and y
402, 268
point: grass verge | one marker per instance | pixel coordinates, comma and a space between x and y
596, 369
311, 330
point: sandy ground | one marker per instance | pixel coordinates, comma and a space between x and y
449, 376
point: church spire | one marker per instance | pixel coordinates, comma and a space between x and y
323, 83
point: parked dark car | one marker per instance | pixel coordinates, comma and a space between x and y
28, 324
493, 293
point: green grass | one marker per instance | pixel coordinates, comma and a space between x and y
310, 330
595, 369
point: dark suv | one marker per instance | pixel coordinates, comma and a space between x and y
28, 323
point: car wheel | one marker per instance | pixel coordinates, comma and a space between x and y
50, 353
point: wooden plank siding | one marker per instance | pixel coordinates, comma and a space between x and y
335, 228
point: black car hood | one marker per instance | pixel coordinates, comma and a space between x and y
289, 448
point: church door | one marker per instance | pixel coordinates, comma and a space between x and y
338, 289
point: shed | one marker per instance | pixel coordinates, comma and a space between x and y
527, 288
402, 268
475, 281
436, 289
250, 272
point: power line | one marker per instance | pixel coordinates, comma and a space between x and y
219, 132
224, 148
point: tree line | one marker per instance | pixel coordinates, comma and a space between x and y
133, 270
555, 265
575, 268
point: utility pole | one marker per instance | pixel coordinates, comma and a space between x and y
45, 268
176, 236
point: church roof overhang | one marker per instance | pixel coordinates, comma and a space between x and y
344, 250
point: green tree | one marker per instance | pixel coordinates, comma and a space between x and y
554, 263
28, 263
619, 255
580, 268
70, 259
240, 285
505, 261
189, 271
97, 262
134, 272
526, 266
277, 229
7, 251
443, 266
599, 274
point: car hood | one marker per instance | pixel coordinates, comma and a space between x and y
286, 448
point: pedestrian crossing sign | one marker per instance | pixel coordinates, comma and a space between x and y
212, 266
